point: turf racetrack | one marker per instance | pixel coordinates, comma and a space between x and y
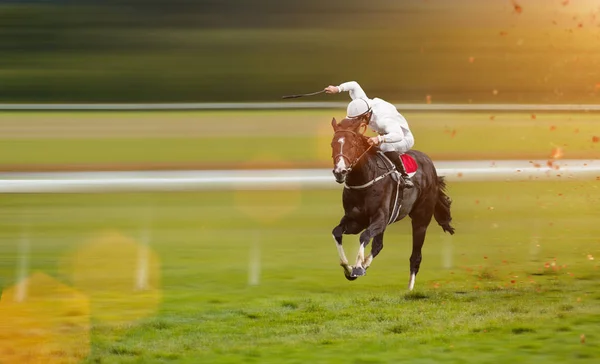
517, 283
289, 139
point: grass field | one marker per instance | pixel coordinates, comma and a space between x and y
516, 283
292, 138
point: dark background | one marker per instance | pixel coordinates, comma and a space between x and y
241, 50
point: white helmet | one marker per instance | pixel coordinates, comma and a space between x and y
358, 107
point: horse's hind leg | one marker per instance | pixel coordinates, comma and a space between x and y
419, 229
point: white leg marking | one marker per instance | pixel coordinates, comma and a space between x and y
411, 282
360, 256
368, 261
341, 253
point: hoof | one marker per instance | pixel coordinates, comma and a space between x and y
350, 278
348, 272
358, 271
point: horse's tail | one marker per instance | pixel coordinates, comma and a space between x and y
442, 207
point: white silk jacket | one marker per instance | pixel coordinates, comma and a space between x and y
385, 120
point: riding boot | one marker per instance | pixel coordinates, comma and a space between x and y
395, 158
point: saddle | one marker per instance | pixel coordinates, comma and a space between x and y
410, 164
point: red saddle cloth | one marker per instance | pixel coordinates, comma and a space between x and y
409, 163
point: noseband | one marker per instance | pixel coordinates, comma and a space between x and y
352, 164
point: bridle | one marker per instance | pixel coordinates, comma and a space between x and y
352, 164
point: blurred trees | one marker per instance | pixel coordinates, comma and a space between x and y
241, 50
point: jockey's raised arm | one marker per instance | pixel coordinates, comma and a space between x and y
356, 92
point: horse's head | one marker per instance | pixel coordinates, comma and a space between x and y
347, 146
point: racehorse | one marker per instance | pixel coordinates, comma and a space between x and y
374, 197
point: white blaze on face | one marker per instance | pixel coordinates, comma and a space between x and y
341, 163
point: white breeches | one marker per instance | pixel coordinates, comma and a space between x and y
402, 146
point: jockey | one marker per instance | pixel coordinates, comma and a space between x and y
394, 133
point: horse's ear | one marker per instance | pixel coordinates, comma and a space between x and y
362, 126
334, 124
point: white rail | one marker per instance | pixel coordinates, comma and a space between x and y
94, 182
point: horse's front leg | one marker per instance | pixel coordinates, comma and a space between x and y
375, 229
337, 233
376, 247
346, 226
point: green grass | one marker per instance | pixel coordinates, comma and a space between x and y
297, 138
155, 150
514, 284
